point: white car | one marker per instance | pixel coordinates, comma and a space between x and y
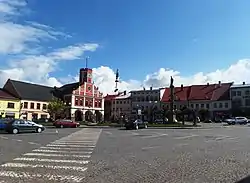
236, 120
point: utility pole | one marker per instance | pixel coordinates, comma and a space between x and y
171, 100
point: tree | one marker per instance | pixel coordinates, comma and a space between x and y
55, 108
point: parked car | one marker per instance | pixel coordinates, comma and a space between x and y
136, 124
18, 125
236, 120
3, 123
65, 123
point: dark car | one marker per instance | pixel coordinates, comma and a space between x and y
3, 123
136, 124
18, 125
65, 123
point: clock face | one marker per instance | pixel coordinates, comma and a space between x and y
89, 75
89, 88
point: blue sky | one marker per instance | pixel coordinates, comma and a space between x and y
140, 37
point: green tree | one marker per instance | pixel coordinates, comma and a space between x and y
56, 108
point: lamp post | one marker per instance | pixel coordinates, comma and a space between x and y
116, 89
152, 107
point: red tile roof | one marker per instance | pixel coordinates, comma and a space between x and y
110, 97
5, 95
180, 93
200, 92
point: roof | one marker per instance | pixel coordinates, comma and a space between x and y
29, 91
110, 97
240, 86
200, 92
5, 95
126, 96
181, 94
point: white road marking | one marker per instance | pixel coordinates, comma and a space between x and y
56, 151
49, 177
33, 143
65, 148
109, 133
23, 165
57, 155
51, 160
155, 136
186, 137
152, 147
17, 140
4, 138
68, 145
74, 143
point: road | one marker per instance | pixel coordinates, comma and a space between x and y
111, 155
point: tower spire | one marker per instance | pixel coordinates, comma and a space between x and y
86, 61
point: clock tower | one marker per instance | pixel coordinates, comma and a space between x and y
85, 75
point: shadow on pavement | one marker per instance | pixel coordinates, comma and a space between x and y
244, 180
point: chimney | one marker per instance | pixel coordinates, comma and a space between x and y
182, 87
244, 83
219, 83
207, 84
125, 92
151, 88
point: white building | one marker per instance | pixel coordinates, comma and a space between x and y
121, 105
240, 95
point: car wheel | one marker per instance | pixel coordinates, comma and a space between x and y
233, 123
39, 130
15, 131
61, 126
136, 127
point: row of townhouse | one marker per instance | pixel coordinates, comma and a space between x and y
30, 101
218, 99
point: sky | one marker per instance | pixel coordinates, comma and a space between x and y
195, 41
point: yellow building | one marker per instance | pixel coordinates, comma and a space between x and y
9, 105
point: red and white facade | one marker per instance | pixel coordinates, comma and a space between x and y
84, 99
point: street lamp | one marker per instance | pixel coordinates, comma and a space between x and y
152, 107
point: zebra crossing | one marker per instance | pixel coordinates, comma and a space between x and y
64, 160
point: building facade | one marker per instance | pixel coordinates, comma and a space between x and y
145, 102
83, 99
240, 95
214, 99
34, 98
9, 105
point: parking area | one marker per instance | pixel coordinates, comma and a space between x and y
12, 145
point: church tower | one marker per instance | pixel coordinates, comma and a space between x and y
85, 75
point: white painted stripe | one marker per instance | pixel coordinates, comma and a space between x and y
55, 151
57, 155
4, 138
64, 145
186, 137
76, 141
66, 148
17, 140
51, 160
155, 136
49, 177
23, 165
33, 143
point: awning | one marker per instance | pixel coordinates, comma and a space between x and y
9, 114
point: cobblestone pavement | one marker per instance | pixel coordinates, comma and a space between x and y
64, 160
174, 156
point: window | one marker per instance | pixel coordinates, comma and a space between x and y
247, 92
86, 103
238, 93
81, 102
174, 106
207, 106
233, 93
11, 105
95, 103
226, 105
113, 102
215, 105
192, 105
100, 104
76, 101
44, 106
220, 105
38, 106
247, 102
197, 105
25, 105
32, 105
202, 105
